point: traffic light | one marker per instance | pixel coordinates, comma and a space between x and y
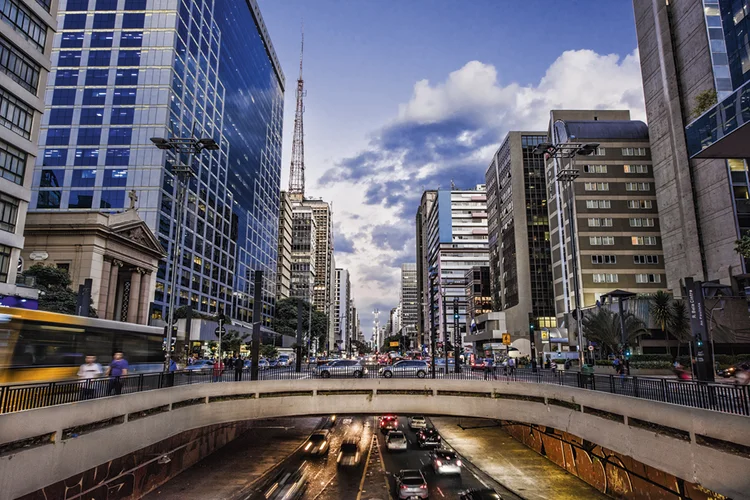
531, 322
699, 342
627, 352
456, 316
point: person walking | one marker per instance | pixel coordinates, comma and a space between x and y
218, 369
512, 367
116, 369
87, 372
239, 365
489, 368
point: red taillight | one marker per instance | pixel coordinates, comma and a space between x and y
423, 486
403, 486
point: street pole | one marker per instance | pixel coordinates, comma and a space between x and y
444, 296
622, 325
456, 337
298, 350
532, 341
257, 321
433, 327
574, 255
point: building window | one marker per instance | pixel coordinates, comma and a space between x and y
58, 137
643, 240
60, 116
641, 222
49, 199
595, 169
645, 259
89, 136
18, 67
638, 204
126, 77
81, 199
648, 278
605, 278
117, 157
636, 169
72, 40
131, 39
122, 116
86, 157
596, 186
114, 199
5, 252
99, 57
600, 222
106, 5
130, 21
15, 115
601, 240
25, 22
92, 116
115, 177
104, 21
66, 78
95, 77
634, 151
8, 213
69, 58
124, 96
101, 39
94, 97
118, 136
598, 204
129, 58
604, 259
52, 178
83, 178
12, 163
54, 157
637, 186
600, 151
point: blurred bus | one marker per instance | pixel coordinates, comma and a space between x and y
42, 346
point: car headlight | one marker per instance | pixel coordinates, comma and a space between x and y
308, 446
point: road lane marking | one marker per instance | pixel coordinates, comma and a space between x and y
382, 464
367, 463
440, 491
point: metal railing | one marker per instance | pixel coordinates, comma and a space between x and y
727, 398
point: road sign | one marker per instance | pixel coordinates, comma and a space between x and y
545, 336
220, 331
394, 344
591, 348
506, 338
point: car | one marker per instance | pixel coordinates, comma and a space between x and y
480, 494
348, 453
405, 368
273, 363
417, 422
428, 437
317, 444
200, 365
341, 368
440, 364
388, 423
445, 462
262, 364
410, 483
396, 441
284, 360
287, 485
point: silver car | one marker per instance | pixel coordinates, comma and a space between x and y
341, 368
405, 368
410, 483
396, 441
445, 462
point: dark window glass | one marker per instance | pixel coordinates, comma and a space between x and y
131, 39
117, 157
72, 40
83, 178
18, 66
69, 58
126, 77
52, 178
99, 57
122, 116
133, 20
96, 77
86, 158
129, 58
117, 177
66, 77
15, 115
112, 199
5, 256
106, 4
61, 116
92, 116
89, 136
101, 39
135, 4
12, 163
74, 21
81, 199
8, 213
94, 97
64, 97
104, 21
124, 96
55, 157
77, 5
58, 137
24, 21
49, 199
120, 135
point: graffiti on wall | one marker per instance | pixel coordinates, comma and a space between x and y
612, 473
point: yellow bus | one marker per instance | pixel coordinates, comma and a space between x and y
43, 346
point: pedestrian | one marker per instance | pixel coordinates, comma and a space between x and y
743, 374
512, 366
87, 372
488, 368
116, 369
553, 365
239, 365
218, 369
170, 372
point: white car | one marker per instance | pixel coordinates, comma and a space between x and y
417, 422
396, 441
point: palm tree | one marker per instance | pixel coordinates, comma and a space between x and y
679, 324
604, 327
661, 309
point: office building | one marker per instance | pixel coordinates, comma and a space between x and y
408, 303
519, 246
341, 310
304, 246
694, 52
478, 293
617, 238
284, 258
456, 232
423, 273
126, 71
26, 35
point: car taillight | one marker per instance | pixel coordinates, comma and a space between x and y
458, 462
439, 463
423, 486
403, 486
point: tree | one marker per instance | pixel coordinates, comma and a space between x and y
661, 309
742, 246
603, 327
55, 294
231, 342
704, 101
680, 324
269, 351
361, 347
285, 321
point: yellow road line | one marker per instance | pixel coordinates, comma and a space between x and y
382, 464
367, 464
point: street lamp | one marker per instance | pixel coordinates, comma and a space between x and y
566, 177
718, 307
183, 173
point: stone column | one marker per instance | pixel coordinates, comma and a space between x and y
145, 300
104, 277
114, 270
135, 295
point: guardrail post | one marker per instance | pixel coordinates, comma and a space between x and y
744, 396
140, 382
612, 384
635, 386
664, 391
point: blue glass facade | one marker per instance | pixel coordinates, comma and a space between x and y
128, 70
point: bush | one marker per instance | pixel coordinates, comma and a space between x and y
651, 357
652, 365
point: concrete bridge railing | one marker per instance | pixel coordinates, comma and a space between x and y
42, 446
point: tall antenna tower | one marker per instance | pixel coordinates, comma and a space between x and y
297, 174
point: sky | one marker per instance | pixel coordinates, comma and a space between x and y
404, 96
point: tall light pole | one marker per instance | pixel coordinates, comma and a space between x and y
566, 177
182, 174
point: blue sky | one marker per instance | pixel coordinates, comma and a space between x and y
406, 95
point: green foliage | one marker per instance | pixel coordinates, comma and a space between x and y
55, 294
742, 246
660, 308
285, 321
360, 347
182, 312
269, 351
704, 101
645, 364
603, 327
231, 342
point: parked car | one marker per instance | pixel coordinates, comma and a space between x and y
273, 363
318, 444
417, 422
405, 368
445, 462
341, 368
396, 441
388, 423
349, 453
410, 483
284, 360
480, 494
428, 437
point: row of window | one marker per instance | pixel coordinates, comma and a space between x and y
94, 97
89, 136
636, 204
8, 213
72, 58
102, 21
91, 116
637, 186
629, 186
24, 21
15, 115
614, 278
114, 157
595, 169
610, 240
101, 39
600, 222
633, 151
18, 67
95, 77
642, 222
83, 5
84, 178
12, 163
636, 169
598, 204
648, 278
612, 259
82, 199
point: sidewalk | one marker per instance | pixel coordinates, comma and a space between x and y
511, 463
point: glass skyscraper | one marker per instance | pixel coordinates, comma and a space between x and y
124, 71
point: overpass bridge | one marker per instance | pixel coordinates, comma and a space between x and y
50, 445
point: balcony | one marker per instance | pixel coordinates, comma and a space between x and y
724, 130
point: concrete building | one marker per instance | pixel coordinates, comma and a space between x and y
456, 232
691, 49
118, 252
617, 238
26, 40
478, 293
408, 303
519, 246
304, 246
423, 275
342, 310
284, 259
